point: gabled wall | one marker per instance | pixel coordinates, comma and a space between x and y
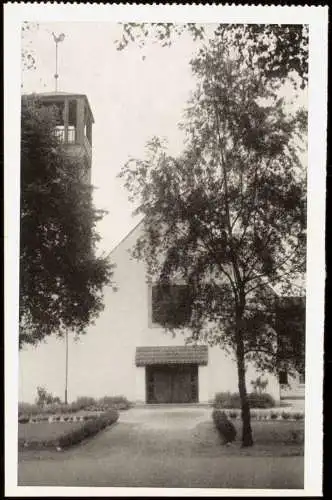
103, 362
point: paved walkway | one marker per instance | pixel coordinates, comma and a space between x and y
171, 448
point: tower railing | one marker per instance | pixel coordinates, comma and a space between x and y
59, 133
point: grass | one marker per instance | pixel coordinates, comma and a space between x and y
270, 432
43, 435
44, 431
270, 436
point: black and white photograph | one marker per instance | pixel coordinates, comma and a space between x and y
167, 318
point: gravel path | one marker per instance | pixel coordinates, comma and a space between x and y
171, 448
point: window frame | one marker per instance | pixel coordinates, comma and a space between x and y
151, 323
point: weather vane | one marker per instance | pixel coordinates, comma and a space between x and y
57, 39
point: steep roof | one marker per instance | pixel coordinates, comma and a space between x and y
275, 288
126, 236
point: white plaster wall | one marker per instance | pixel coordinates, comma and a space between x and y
203, 384
103, 361
140, 385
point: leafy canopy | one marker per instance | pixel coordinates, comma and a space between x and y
61, 278
279, 51
228, 215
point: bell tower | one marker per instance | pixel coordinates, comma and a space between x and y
74, 125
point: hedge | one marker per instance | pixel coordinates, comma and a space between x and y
88, 429
232, 400
266, 414
224, 426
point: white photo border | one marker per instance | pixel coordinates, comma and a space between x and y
317, 19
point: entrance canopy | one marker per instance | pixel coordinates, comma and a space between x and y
159, 355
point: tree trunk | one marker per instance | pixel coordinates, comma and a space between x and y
245, 409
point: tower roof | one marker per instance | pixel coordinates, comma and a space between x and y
59, 95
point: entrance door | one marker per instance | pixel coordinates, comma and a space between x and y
172, 384
163, 385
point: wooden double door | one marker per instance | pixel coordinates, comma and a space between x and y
172, 384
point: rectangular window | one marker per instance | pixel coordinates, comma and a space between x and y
71, 134
72, 113
170, 305
59, 133
283, 378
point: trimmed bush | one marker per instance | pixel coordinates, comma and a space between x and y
224, 426
263, 400
82, 403
73, 436
273, 416
27, 410
118, 402
89, 428
298, 416
232, 400
285, 415
24, 419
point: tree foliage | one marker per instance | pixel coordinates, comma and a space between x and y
61, 278
28, 57
279, 51
228, 215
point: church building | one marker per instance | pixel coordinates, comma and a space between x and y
127, 351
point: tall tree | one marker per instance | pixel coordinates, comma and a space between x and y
228, 214
279, 51
61, 278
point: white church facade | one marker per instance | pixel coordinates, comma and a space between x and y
126, 352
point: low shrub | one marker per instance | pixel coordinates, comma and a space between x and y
224, 426
82, 403
232, 400
273, 416
233, 414
23, 419
285, 415
118, 402
28, 410
298, 416
88, 429
262, 400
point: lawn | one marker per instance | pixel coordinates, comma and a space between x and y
62, 434
43, 431
274, 432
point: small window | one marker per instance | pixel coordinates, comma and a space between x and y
59, 133
283, 378
71, 134
72, 113
170, 305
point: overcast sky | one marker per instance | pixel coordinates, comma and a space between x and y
134, 94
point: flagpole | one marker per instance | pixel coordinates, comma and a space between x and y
66, 379
56, 67
57, 39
